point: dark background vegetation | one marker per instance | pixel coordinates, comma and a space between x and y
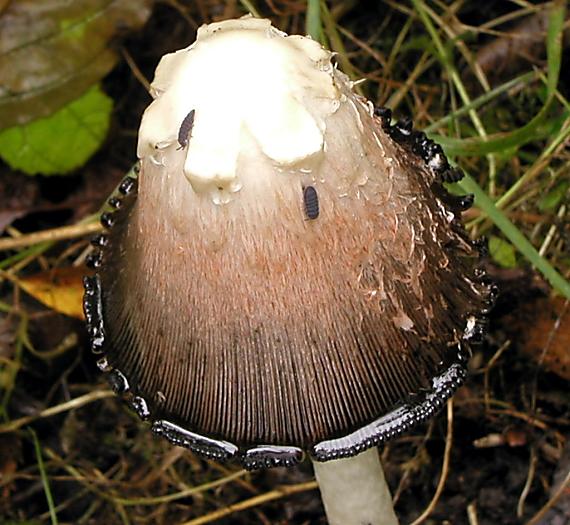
94, 462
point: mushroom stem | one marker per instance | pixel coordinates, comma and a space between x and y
354, 490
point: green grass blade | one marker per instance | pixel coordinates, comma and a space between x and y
554, 44
313, 22
331, 33
250, 8
501, 141
511, 232
32, 251
525, 78
45, 481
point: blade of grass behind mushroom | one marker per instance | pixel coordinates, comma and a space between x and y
502, 222
518, 137
427, 14
482, 146
313, 25
250, 7
44, 476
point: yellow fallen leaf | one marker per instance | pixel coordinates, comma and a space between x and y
60, 289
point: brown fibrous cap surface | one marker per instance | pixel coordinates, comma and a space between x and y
249, 323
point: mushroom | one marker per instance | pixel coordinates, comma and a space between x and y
287, 274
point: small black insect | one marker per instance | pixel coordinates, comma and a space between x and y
185, 130
311, 202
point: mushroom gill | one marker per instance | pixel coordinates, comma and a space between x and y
236, 316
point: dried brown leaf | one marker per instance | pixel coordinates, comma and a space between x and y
520, 46
52, 51
547, 338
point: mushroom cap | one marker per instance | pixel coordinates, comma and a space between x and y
234, 323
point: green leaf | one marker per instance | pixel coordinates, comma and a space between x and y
553, 198
61, 142
502, 252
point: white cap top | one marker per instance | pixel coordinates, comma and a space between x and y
245, 80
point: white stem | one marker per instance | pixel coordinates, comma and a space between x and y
354, 491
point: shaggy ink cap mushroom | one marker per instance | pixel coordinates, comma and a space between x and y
245, 315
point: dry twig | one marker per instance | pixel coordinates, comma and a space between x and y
279, 493
444, 468
78, 402
51, 235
